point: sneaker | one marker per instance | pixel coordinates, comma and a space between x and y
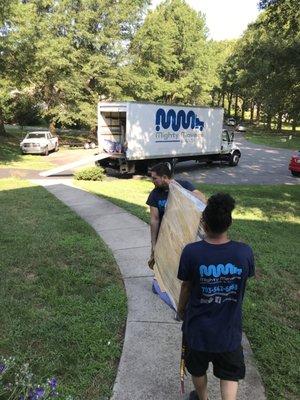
193, 395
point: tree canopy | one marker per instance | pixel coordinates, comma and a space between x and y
59, 57
264, 67
170, 56
66, 53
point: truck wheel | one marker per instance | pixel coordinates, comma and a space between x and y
234, 159
173, 164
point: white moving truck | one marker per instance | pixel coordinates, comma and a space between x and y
138, 135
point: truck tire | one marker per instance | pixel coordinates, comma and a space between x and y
173, 164
294, 173
234, 159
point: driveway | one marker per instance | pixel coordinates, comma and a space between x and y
258, 165
63, 156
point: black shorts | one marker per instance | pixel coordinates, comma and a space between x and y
229, 366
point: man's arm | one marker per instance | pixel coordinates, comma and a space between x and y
154, 225
199, 195
184, 296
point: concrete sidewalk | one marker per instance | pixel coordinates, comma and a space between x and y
149, 366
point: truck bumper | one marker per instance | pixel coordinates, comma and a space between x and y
32, 150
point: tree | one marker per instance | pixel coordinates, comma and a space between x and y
221, 52
170, 56
69, 53
264, 64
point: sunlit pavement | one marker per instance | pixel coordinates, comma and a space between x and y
258, 165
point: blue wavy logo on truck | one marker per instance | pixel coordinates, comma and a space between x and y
177, 120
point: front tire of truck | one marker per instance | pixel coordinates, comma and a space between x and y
234, 159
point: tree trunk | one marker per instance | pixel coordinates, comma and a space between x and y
294, 125
279, 122
2, 127
223, 100
251, 112
243, 110
258, 112
213, 96
93, 131
236, 106
52, 127
269, 120
229, 104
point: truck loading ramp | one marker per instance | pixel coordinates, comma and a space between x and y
74, 164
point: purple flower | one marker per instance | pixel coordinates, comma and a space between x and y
38, 393
2, 368
52, 383
21, 397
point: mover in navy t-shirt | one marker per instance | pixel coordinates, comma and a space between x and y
158, 197
214, 273
161, 175
218, 275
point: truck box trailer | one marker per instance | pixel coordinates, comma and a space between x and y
138, 135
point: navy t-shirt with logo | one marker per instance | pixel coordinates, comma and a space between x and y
218, 273
158, 197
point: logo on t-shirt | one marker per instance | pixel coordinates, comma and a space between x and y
219, 282
217, 270
162, 204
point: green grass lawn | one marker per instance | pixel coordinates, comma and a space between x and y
286, 140
268, 218
63, 304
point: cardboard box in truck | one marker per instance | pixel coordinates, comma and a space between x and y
138, 135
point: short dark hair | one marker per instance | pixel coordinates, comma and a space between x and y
217, 213
162, 169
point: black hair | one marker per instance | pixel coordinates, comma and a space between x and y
217, 213
162, 169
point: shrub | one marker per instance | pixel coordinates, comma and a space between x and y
89, 174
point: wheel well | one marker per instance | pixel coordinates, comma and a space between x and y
236, 152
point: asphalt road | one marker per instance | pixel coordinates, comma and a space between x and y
258, 165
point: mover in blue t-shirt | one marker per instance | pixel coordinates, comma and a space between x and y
162, 176
214, 272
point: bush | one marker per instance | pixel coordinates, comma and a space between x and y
89, 174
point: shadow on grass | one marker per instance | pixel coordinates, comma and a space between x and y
10, 149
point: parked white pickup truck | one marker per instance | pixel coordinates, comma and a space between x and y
40, 142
